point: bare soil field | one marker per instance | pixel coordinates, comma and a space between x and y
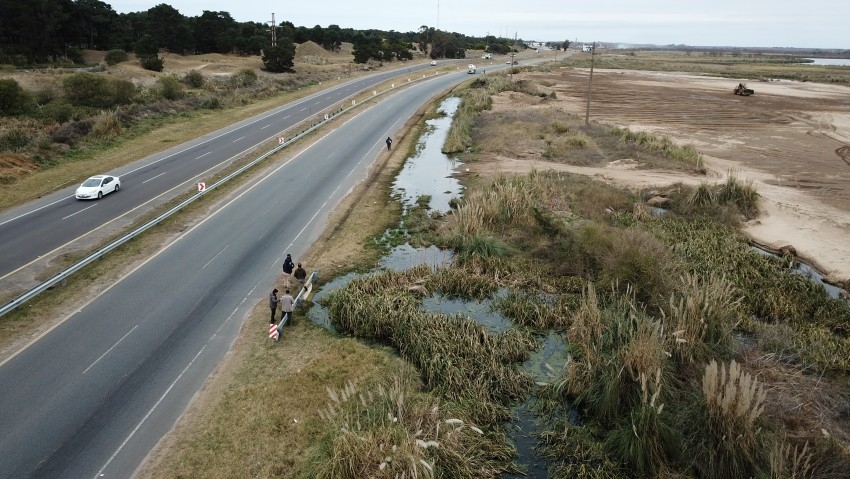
792, 139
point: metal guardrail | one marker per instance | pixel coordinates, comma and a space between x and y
100, 252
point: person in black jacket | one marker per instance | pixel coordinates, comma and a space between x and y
273, 302
300, 275
288, 266
389, 143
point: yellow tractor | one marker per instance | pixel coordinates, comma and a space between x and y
742, 90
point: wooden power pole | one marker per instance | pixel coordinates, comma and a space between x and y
589, 84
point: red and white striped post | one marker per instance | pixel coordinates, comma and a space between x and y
273, 334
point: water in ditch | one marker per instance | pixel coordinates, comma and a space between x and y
429, 173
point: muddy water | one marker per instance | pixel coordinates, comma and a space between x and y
429, 173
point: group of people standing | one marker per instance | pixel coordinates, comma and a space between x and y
287, 302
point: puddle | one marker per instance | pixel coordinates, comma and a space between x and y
404, 257
429, 172
480, 311
808, 272
544, 366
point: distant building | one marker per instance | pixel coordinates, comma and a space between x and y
587, 48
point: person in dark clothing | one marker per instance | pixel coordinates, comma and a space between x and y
288, 266
389, 143
273, 302
300, 275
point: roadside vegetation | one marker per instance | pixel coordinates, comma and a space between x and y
689, 353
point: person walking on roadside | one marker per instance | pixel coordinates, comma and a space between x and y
273, 302
286, 305
300, 275
389, 143
288, 265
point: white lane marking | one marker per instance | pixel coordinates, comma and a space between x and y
78, 212
346, 87
110, 349
303, 109
264, 127
205, 154
150, 411
154, 177
240, 138
214, 257
174, 383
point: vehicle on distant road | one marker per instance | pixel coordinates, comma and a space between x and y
470, 68
433, 63
97, 186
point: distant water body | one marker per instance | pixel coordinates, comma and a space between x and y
829, 61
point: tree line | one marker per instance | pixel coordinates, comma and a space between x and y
57, 31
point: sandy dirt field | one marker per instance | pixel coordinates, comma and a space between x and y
792, 139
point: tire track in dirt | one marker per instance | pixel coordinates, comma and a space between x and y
844, 153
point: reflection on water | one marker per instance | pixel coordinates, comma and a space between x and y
429, 172
481, 311
828, 61
405, 257
808, 272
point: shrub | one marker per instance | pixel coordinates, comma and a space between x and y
170, 88
88, 89
731, 443
246, 77
13, 140
152, 63
114, 57
58, 111
45, 96
193, 79
211, 103
14, 100
123, 91
70, 133
107, 125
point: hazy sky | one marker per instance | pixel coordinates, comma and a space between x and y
743, 23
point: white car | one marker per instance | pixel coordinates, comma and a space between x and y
97, 186
433, 63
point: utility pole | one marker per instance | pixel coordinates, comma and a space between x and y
513, 53
590, 84
274, 32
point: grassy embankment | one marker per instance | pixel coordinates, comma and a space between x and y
687, 351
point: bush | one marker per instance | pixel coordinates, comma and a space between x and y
194, 79
211, 103
124, 91
14, 100
732, 444
170, 88
107, 125
58, 111
245, 77
114, 57
152, 63
13, 140
88, 89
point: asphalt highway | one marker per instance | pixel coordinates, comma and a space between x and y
93, 395
43, 226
